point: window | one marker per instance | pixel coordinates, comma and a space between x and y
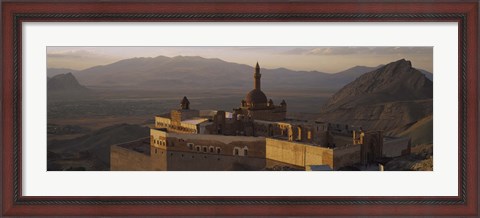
245, 152
204, 149
198, 148
236, 151
211, 149
156, 151
218, 150
190, 146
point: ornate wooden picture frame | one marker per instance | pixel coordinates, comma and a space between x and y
14, 13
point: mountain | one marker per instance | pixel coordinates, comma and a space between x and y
396, 81
51, 72
64, 83
387, 98
166, 73
193, 72
98, 142
65, 87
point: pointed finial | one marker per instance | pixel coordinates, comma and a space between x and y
185, 104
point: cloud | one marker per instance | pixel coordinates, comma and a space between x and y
360, 50
73, 54
75, 58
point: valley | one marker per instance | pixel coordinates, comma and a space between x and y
114, 104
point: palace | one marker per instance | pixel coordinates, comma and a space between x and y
255, 136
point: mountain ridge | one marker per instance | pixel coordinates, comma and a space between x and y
163, 72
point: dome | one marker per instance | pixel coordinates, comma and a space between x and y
256, 96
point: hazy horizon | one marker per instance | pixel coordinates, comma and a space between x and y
322, 59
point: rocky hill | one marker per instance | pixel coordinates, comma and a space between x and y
387, 98
51, 72
64, 83
65, 87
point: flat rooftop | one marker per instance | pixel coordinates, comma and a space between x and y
195, 121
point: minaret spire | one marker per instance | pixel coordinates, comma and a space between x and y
257, 77
185, 103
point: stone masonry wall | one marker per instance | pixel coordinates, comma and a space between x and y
298, 154
129, 160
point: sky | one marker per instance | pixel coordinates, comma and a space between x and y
323, 59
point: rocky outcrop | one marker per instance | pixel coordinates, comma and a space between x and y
64, 83
396, 81
388, 98
387, 116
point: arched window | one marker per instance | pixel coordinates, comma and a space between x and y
245, 152
236, 151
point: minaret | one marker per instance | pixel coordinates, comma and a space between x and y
185, 104
257, 77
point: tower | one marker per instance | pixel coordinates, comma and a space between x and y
185, 104
256, 99
270, 104
284, 105
257, 77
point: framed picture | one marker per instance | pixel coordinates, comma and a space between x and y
125, 108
